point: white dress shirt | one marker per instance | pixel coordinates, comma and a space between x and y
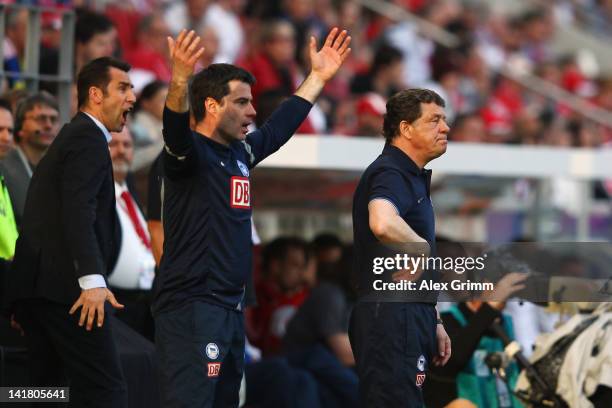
135, 267
95, 280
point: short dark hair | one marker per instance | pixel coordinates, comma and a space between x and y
26, 105
279, 248
406, 105
97, 73
149, 92
213, 82
6, 105
89, 24
326, 240
386, 55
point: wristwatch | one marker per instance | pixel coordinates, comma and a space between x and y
440, 321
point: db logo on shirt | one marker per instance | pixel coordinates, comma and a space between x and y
240, 194
213, 369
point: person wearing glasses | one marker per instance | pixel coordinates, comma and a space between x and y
36, 126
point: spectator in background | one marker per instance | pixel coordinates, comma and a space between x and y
188, 15
14, 43
95, 37
210, 42
323, 317
132, 276
537, 27
327, 248
280, 292
469, 128
36, 126
274, 64
222, 16
150, 53
466, 375
384, 76
317, 340
370, 110
14, 96
146, 126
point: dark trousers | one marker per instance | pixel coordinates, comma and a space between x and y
273, 383
393, 344
200, 348
63, 354
338, 385
137, 311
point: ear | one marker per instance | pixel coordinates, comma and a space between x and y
95, 95
211, 105
405, 129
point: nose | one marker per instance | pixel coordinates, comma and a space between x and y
252, 112
131, 97
445, 128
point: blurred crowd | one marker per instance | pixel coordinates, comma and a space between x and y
269, 39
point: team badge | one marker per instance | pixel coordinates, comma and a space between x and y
212, 351
420, 379
240, 193
243, 168
421, 363
213, 369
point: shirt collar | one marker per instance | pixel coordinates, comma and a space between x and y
403, 160
104, 130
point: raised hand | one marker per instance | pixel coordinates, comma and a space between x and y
184, 53
326, 62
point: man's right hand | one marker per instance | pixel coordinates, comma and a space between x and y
91, 303
184, 54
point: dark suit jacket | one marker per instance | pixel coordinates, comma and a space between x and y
70, 226
17, 178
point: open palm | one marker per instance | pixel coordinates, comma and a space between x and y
326, 62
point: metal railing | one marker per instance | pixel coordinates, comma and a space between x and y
30, 70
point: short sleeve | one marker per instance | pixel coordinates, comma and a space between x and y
391, 185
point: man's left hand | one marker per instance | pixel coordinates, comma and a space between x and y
326, 62
444, 346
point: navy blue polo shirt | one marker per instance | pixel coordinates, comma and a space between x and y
207, 208
394, 177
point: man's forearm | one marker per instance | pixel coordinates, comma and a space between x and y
396, 231
311, 88
176, 100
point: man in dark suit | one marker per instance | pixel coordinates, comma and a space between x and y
67, 245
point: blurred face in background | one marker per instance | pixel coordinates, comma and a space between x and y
155, 36
40, 127
299, 10
471, 129
6, 132
280, 46
210, 42
155, 105
100, 45
196, 8
122, 153
288, 272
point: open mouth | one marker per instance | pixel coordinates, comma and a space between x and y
245, 127
125, 114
